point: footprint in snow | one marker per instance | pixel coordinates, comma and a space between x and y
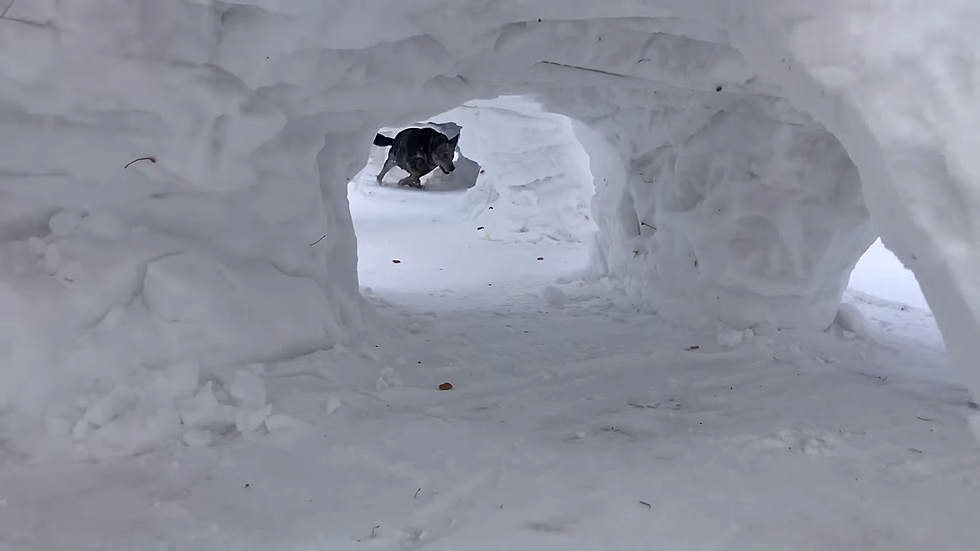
799, 441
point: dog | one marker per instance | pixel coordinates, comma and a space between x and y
417, 151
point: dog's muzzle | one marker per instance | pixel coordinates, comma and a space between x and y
452, 168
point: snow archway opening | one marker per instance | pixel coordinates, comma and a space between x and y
252, 118
521, 178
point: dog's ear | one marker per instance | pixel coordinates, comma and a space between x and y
454, 140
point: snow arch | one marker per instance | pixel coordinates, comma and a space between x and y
256, 112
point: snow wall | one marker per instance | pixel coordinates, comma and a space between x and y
739, 149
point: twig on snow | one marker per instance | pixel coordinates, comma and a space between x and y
648, 225
318, 240
151, 159
645, 504
5, 10
417, 493
870, 376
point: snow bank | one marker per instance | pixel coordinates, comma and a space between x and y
258, 112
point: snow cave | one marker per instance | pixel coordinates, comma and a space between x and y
738, 153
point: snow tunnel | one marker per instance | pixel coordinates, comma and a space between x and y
521, 177
745, 153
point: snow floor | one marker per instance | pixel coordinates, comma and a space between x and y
575, 422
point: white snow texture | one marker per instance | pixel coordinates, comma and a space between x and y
739, 149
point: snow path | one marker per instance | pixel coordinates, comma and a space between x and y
590, 426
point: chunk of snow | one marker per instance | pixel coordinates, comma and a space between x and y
64, 223
247, 421
849, 318
37, 245
333, 404
554, 297
198, 438
178, 381
204, 410
974, 421
52, 259
137, 431
279, 422
236, 310
103, 411
248, 389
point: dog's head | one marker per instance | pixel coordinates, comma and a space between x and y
443, 154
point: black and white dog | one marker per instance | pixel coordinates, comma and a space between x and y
417, 151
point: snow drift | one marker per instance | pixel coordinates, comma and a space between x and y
739, 146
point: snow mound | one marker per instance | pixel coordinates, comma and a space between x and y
773, 129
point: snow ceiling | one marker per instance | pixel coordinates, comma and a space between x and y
740, 149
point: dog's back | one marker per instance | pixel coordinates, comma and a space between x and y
417, 142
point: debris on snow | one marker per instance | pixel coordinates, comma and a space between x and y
151, 159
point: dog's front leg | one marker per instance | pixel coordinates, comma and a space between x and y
412, 180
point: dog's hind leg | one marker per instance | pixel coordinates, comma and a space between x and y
389, 164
